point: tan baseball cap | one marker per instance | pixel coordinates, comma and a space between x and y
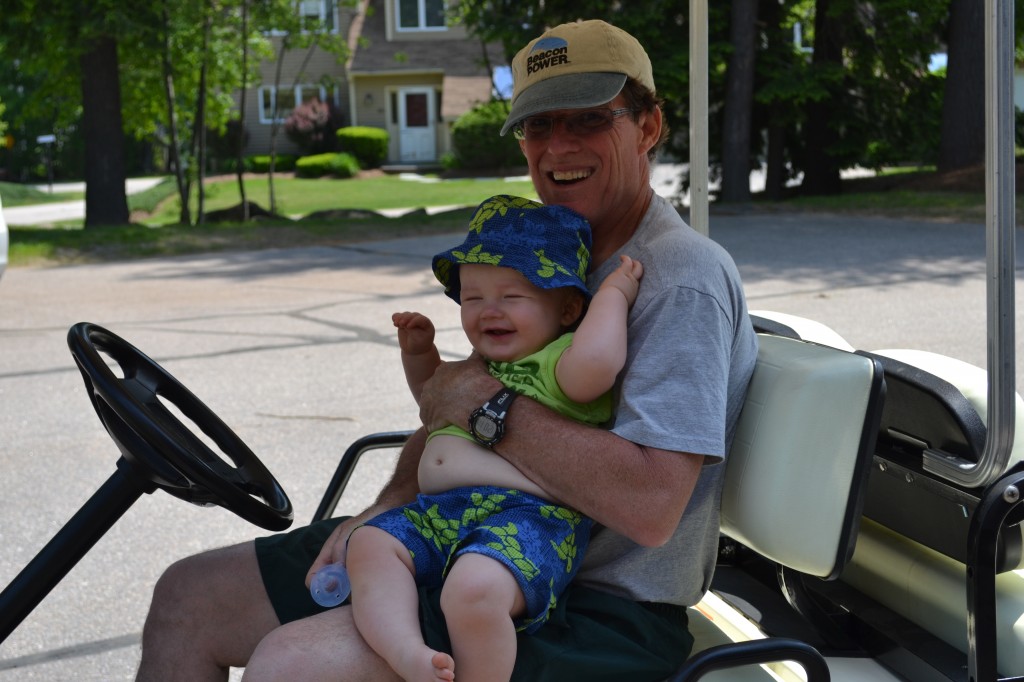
574, 66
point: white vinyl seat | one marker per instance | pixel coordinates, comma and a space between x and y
795, 474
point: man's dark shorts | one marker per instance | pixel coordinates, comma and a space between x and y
591, 636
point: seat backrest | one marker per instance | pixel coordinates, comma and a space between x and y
936, 404
796, 471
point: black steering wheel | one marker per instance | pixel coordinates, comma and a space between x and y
157, 446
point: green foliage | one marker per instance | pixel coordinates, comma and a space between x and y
339, 164
884, 104
476, 141
222, 146
368, 145
260, 163
449, 161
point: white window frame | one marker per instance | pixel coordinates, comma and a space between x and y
320, 10
301, 93
421, 12
317, 9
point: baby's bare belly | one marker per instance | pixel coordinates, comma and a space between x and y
452, 462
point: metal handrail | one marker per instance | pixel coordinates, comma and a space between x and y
1000, 257
699, 158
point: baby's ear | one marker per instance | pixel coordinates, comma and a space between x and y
572, 307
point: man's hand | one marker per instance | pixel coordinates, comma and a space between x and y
336, 546
454, 391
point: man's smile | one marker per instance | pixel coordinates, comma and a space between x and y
568, 176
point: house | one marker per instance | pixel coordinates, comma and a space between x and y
409, 72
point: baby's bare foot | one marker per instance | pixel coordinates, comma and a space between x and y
427, 665
444, 666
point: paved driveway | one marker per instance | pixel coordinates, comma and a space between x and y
61, 211
294, 349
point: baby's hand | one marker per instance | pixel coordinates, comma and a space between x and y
626, 278
415, 332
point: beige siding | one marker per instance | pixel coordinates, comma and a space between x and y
385, 61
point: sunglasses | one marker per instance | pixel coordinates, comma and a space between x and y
584, 123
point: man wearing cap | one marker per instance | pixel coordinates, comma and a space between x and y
589, 122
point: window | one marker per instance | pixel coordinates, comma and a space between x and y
318, 14
420, 15
287, 99
315, 16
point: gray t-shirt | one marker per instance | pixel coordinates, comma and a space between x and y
691, 352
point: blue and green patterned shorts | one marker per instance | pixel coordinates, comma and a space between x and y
540, 542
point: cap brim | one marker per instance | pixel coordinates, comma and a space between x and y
572, 91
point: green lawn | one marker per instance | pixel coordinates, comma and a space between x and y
959, 206
13, 194
299, 197
155, 230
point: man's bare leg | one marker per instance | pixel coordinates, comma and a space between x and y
322, 648
209, 611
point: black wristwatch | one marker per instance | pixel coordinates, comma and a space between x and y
487, 423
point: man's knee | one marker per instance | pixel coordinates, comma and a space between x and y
199, 590
276, 653
177, 584
323, 647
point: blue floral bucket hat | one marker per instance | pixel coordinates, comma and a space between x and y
549, 245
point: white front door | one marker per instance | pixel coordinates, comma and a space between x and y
417, 123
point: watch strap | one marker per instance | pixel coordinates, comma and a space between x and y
501, 401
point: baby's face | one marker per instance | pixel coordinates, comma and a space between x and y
506, 317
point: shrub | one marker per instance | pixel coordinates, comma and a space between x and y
341, 165
476, 140
260, 163
368, 145
223, 146
311, 126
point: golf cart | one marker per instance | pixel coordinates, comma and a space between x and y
870, 517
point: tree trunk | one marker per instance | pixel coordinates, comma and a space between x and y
105, 200
739, 101
184, 216
821, 170
962, 142
775, 166
199, 130
240, 159
274, 124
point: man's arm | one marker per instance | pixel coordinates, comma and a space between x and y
401, 489
639, 492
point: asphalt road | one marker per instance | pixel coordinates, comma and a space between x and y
294, 350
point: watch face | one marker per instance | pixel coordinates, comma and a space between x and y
485, 427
